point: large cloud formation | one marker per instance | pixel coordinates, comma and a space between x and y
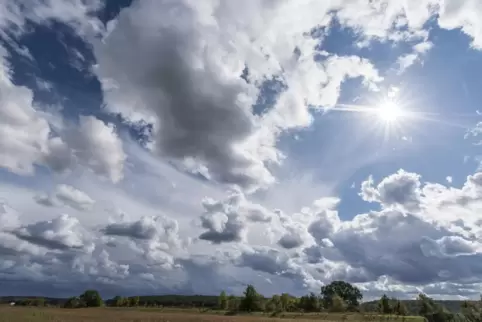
422, 249
194, 70
182, 71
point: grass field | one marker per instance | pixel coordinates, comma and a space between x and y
21, 314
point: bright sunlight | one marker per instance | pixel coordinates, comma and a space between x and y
389, 111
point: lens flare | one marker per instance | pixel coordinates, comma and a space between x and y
389, 111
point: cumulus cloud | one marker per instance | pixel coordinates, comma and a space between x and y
73, 197
310, 225
146, 228
463, 14
156, 238
80, 15
227, 220
97, 145
67, 195
400, 189
419, 50
182, 69
24, 134
293, 238
63, 232
28, 140
175, 87
406, 250
27, 137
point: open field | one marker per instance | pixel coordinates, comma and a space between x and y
21, 314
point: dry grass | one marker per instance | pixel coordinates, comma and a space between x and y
21, 314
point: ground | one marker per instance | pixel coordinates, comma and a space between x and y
21, 314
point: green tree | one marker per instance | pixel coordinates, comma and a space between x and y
118, 301
472, 310
91, 298
433, 312
74, 302
223, 301
273, 304
286, 302
400, 308
277, 304
426, 305
133, 301
309, 303
384, 305
350, 294
233, 303
337, 304
251, 301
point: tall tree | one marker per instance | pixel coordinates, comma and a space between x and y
277, 304
223, 302
472, 310
133, 301
233, 303
350, 294
251, 301
337, 304
91, 298
426, 305
74, 302
286, 301
384, 305
432, 311
400, 308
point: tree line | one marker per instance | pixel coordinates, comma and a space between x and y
338, 296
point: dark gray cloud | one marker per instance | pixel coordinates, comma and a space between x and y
292, 240
45, 200
144, 228
222, 228
404, 247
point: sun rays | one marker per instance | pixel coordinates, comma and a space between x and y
389, 111
395, 115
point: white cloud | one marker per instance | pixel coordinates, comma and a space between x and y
27, 138
97, 145
78, 14
400, 189
419, 50
74, 198
24, 134
227, 220
385, 251
67, 195
63, 232
210, 45
464, 15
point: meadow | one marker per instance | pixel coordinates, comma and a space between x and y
33, 314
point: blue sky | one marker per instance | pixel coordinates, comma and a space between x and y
151, 146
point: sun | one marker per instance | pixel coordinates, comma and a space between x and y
389, 111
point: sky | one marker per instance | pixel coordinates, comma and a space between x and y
190, 147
